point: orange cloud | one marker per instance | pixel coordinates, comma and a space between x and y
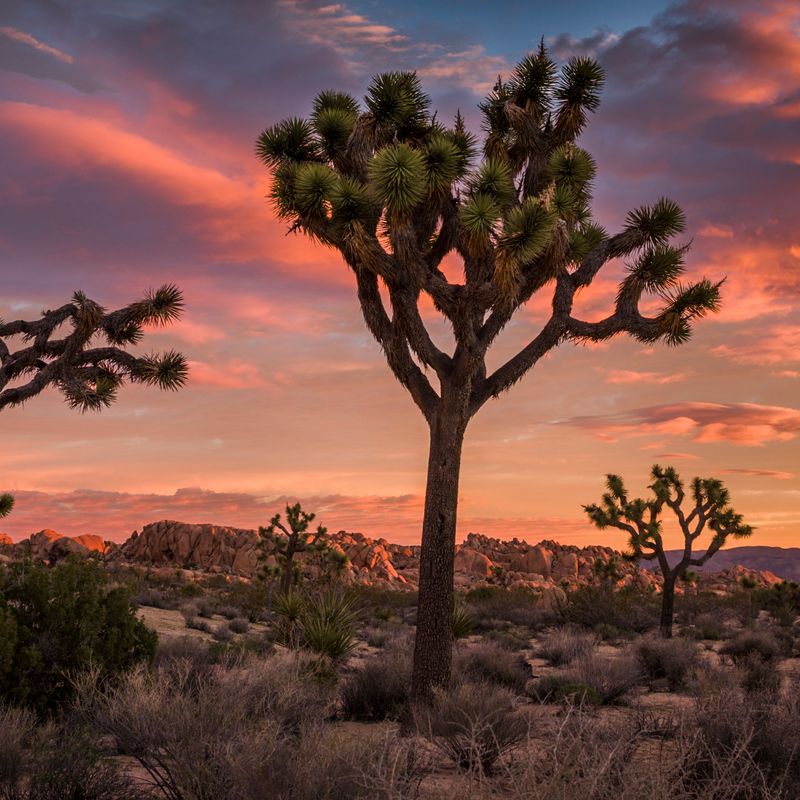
760, 473
230, 375
776, 345
747, 424
26, 38
631, 376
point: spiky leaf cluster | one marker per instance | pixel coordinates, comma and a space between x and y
6, 504
90, 376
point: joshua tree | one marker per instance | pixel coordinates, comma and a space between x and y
88, 376
297, 538
6, 504
640, 519
395, 192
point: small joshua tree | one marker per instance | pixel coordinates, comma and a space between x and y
297, 538
640, 519
397, 193
88, 376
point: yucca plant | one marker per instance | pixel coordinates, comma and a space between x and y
89, 377
328, 623
463, 622
395, 191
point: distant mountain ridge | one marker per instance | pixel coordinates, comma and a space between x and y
781, 561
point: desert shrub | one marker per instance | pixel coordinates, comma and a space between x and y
229, 612
56, 622
628, 610
381, 605
706, 626
490, 663
222, 633
565, 644
752, 643
250, 732
782, 601
672, 660
495, 607
205, 609
512, 638
185, 648
154, 598
557, 688
609, 678
757, 675
199, 625
752, 732
473, 724
463, 621
375, 636
239, 625
54, 762
252, 599
379, 689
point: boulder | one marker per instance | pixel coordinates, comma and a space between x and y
472, 563
566, 567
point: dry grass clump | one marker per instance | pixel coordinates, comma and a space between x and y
672, 660
491, 663
379, 689
566, 644
750, 644
473, 725
594, 679
250, 731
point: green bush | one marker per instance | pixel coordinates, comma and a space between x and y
379, 690
557, 688
493, 664
750, 644
628, 610
58, 622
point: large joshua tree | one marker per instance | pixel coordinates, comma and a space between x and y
395, 191
710, 511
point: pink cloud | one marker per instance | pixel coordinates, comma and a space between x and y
759, 473
233, 374
748, 424
631, 376
775, 345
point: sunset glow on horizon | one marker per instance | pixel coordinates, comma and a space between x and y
126, 134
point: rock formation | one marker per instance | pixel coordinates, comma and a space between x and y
546, 568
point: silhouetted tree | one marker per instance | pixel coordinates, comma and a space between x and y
297, 538
6, 504
89, 377
394, 190
641, 520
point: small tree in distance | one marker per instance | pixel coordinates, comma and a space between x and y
395, 191
640, 519
89, 377
297, 538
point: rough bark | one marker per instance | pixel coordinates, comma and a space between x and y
434, 640
667, 605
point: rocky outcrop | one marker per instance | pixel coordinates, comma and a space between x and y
546, 568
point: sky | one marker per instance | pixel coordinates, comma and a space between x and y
126, 161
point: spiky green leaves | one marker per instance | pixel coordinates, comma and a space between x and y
168, 371
398, 104
313, 186
479, 215
583, 239
350, 201
289, 140
685, 305
527, 231
494, 179
657, 223
443, 165
572, 167
334, 117
398, 176
533, 80
657, 268
6, 504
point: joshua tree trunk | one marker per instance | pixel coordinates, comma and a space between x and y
667, 605
433, 646
286, 576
